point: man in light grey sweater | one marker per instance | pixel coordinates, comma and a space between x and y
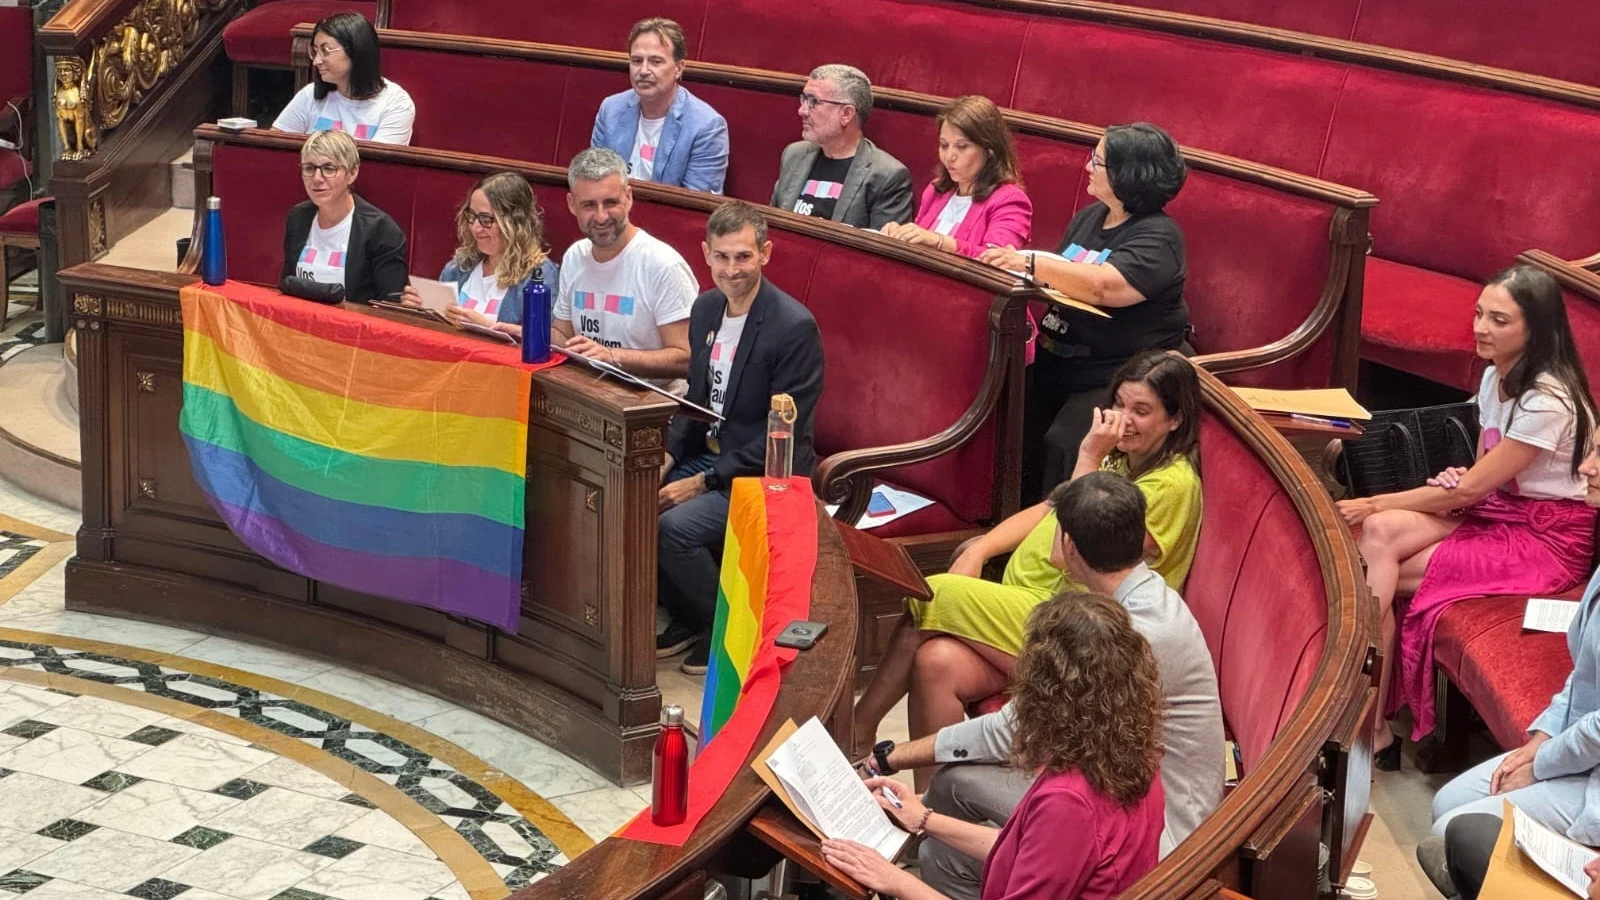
1100, 549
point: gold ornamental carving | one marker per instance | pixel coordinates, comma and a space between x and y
577, 418
86, 304
94, 94
645, 439
149, 313
591, 615
97, 228
646, 461
591, 500
614, 435
147, 381
147, 488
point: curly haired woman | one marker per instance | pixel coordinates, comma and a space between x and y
1090, 825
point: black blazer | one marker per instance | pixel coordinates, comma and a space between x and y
780, 352
375, 265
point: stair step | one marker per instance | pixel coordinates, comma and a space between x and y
183, 180
39, 444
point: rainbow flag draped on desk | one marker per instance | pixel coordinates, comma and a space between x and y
376, 456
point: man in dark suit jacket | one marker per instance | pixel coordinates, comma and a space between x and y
747, 341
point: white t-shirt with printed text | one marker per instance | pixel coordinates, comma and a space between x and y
322, 259
642, 163
723, 348
1541, 418
481, 293
624, 301
952, 215
386, 118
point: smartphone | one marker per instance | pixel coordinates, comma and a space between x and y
801, 635
879, 505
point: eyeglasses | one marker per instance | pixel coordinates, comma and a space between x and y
326, 51
483, 220
810, 101
327, 170
1096, 162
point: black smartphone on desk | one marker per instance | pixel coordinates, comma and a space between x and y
801, 635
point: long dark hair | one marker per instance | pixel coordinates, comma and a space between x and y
1549, 349
1174, 382
360, 42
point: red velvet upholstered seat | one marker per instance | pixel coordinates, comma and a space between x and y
13, 168
22, 218
1507, 674
885, 364
1420, 321
260, 37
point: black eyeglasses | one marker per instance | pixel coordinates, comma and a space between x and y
810, 101
328, 170
484, 220
1096, 162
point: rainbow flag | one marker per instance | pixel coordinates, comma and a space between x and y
768, 556
373, 455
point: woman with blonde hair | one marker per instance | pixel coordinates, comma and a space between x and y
976, 198
337, 246
501, 245
1087, 700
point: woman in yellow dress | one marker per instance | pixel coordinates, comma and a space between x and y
959, 647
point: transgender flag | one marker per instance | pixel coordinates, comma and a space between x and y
824, 189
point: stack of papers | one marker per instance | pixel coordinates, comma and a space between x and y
1549, 615
1331, 403
820, 786
1561, 858
886, 505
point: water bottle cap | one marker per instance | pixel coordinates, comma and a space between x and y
213, 203
783, 405
672, 714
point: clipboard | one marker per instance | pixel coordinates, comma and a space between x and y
1513, 876
689, 409
883, 561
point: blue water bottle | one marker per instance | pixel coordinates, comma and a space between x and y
213, 248
536, 319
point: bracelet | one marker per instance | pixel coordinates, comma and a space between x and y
1030, 265
922, 826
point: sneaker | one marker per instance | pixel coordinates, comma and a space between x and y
674, 640
699, 659
1431, 857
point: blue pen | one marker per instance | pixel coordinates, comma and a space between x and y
1321, 420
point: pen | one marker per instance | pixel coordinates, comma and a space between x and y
889, 796
1320, 420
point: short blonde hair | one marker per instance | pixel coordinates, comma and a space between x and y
334, 145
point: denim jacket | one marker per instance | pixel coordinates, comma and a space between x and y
511, 307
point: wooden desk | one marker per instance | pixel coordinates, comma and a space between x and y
579, 673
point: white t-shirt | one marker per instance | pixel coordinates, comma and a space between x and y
1539, 418
723, 347
624, 302
642, 164
385, 118
322, 258
481, 293
952, 214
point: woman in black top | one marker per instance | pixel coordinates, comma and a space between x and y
1122, 254
336, 239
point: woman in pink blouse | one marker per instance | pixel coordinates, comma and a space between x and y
1087, 700
976, 198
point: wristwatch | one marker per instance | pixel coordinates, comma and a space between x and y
880, 755
713, 480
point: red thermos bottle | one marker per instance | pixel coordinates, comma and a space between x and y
669, 798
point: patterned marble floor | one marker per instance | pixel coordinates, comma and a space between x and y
139, 760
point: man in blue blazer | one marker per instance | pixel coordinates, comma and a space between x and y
747, 341
666, 134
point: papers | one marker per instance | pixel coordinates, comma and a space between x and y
491, 333
886, 505
418, 312
824, 791
1549, 615
1562, 859
1051, 293
1331, 403
435, 295
692, 410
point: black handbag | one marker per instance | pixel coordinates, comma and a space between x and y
1401, 449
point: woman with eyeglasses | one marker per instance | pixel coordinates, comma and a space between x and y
336, 238
1122, 254
347, 92
500, 245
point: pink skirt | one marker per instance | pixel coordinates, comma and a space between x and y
1506, 544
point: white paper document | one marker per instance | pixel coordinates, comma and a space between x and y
828, 792
435, 295
1549, 615
1561, 858
886, 505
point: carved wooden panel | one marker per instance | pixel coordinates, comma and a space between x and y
160, 480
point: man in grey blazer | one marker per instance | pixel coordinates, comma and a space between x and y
834, 172
1100, 544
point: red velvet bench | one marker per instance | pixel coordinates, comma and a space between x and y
260, 38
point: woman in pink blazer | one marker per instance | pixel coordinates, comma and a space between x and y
976, 198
